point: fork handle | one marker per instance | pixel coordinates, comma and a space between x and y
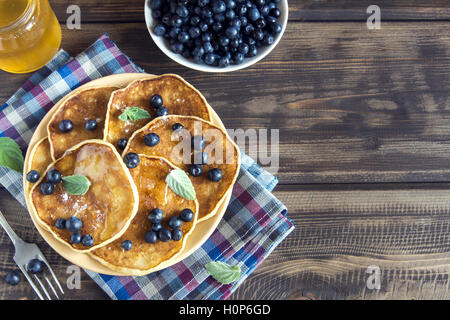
12, 235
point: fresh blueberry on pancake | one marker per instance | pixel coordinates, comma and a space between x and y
156, 226
161, 111
150, 237
73, 224
131, 160
187, 215
155, 216
91, 125
151, 139
164, 235
177, 126
13, 278
126, 245
196, 170
177, 234
60, 223
35, 266
33, 176
54, 176
75, 238
65, 126
215, 175
156, 101
122, 143
175, 222
87, 241
47, 188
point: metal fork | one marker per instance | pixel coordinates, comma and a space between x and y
24, 253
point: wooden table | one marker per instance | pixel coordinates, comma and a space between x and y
364, 119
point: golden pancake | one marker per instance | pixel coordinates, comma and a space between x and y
107, 208
149, 177
40, 158
222, 154
179, 97
87, 104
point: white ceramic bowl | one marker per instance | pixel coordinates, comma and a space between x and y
262, 51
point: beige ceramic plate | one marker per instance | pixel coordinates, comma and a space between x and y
201, 232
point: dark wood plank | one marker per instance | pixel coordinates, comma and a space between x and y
20, 221
342, 230
353, 105
304, 10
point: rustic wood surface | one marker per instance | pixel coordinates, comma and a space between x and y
364, 120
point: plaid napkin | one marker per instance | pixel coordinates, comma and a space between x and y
253, 225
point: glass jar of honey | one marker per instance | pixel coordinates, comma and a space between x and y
30, 35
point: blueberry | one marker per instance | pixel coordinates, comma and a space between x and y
35, 266
230, 14
206, 37
122, 143
187, 215
194, 20
60, 223
234, 43
156, 226
54, 176
155, 4
164, 235
236, 23
198, 52
264, 10
151, 139
73, 224
13, 278
65, 126
218, 6
177, 47
47, 188
243, 48
194, 32
276, 27
87, 241
231, 32
272, 5
217, 26
90, 125
230, 4
203, 26
161, 111
195, 170
176, 21
207, 12
200, 158
270, 19
177, 126
156, 101
224, 41
241, 10
224, 62
203, 3
268, 39
210, 58
275, 12
75, 238
215, 175
166, 19
156, 14
159, 29
183, 37
177, 234
155, 216
209, 21
173, 33
150, 237
254, 14
238, 58
33, 176
131, 160
182, 11
244, 21
198, 142
259, 3
175, 222
207, 46
249, 29
258, 34
126, 245
252, 51
260, 23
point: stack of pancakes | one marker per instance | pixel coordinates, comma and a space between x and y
117, 204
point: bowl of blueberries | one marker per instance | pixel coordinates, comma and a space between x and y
216, 35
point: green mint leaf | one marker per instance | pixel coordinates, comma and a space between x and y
76, 184
180, 183
134, 113
10, 154
222, 272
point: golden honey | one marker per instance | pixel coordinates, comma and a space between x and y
30, 35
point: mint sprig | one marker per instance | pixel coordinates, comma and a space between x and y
76, 184
180, 183
10, 154
222, 272
134, 114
